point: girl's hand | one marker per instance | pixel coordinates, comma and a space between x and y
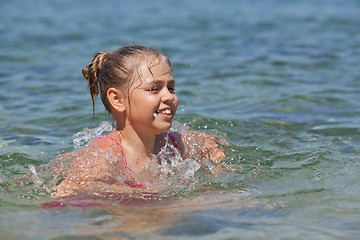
201, 145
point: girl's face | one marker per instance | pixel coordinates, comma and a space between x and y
152, 98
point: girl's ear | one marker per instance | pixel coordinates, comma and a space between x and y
115, 99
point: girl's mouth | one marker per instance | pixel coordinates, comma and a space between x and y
165, 113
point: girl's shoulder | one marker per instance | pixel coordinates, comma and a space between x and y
105, 144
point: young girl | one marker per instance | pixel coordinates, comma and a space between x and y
138, 90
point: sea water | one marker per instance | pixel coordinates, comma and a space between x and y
280, 80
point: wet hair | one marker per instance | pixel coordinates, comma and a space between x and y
117, 69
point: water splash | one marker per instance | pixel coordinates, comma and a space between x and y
35, 177
167, 173
171, 162
168, 160
83, 137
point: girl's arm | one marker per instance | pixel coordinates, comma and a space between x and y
201, 145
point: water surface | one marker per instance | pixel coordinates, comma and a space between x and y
279, 79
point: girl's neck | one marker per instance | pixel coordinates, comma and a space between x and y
137, 142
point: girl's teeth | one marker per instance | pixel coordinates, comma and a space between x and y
167, 111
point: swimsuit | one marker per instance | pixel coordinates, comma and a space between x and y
129, 182
122, 152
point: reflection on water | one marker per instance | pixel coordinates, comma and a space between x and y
140, 218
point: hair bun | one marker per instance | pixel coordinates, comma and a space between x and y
91, 72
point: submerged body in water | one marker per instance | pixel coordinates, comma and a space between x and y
100, 166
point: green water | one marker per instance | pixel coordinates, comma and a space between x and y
280, 80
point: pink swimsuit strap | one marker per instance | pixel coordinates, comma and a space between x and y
173, 140
122, 152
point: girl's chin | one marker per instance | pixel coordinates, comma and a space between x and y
164, 128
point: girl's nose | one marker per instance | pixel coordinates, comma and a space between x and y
167, 96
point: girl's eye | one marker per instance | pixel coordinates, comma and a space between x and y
153, 89
172, 90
